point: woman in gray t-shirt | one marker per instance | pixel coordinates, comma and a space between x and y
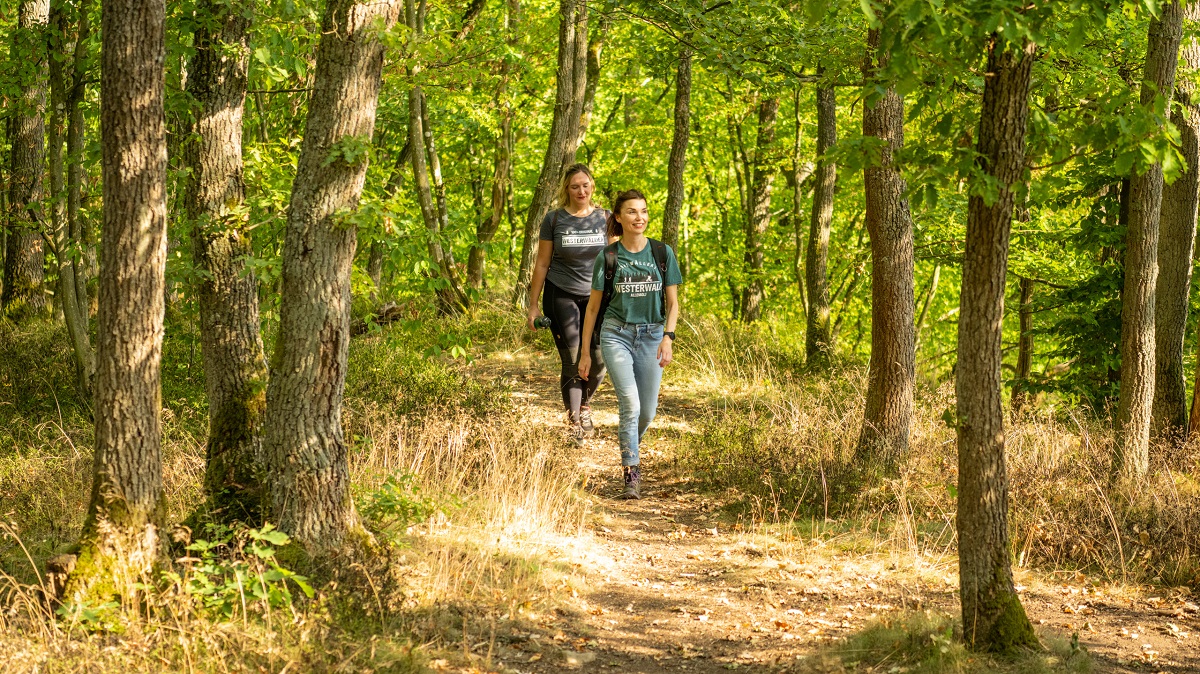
572, 236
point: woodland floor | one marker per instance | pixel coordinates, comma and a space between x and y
676, 583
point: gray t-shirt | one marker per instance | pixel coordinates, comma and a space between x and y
577, 242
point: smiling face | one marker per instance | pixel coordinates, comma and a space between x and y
634, 216
580, 188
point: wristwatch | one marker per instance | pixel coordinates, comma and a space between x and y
669, 334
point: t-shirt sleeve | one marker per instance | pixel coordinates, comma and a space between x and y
598, 273
547, 233
674, 277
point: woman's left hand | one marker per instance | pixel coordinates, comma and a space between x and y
664, 351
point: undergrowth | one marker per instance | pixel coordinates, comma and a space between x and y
783, 443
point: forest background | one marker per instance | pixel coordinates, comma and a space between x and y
822, 170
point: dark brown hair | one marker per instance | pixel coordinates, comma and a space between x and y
614, 225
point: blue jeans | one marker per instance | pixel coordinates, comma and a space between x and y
631, 355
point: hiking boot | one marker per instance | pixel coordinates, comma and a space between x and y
577, 433
633, 482
585, 421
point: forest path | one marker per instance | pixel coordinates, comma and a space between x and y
674, 585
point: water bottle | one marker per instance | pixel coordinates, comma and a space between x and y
541, 322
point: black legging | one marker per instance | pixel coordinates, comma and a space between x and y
566, 316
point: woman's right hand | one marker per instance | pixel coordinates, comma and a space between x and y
533, 315
585, 365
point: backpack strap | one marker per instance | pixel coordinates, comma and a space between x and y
610, 271
659, 250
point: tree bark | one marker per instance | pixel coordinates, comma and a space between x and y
1020, 393
760, 210
883, 441
121, 538
677, 164
993, 618
571, 84
79, 228
235, 367
816, 276
23, 293
1131, 452
595, 47
303, 444
67, 244
1169, 416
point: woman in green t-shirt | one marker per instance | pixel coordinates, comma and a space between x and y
638, 279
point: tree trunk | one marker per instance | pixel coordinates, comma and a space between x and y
1169, 417
993, 618
375, 268
120, 538
760, 210
929, 295
235, 367
677, 163
67, 245
571, 83
23, 293
800, 172
817, 336
305, 450
1131, 452
79, 229
883, 441
1020, 391
594, 46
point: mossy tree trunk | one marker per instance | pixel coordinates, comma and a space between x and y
817, 336
761, 178
1131, 451
1169, 413
304, 447
993, 618
235, 367
121, 537
24, 294
883, 442
570, 88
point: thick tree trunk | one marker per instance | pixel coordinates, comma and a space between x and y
235, 367
305, 450
993, 618
1131, 452
760, 210
121, 536
883, 441
1020, 392
1169, 416
571, 85
677, 163
23, 293
67, 244
816, 276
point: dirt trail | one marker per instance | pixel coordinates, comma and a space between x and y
682, 588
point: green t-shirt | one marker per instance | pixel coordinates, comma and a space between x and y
637, 285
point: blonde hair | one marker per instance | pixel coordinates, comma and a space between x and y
564, 196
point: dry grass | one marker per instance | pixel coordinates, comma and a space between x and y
503, 513
500, 539
779, 442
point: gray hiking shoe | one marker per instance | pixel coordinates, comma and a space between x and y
585, 421
577, 432
633, 482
